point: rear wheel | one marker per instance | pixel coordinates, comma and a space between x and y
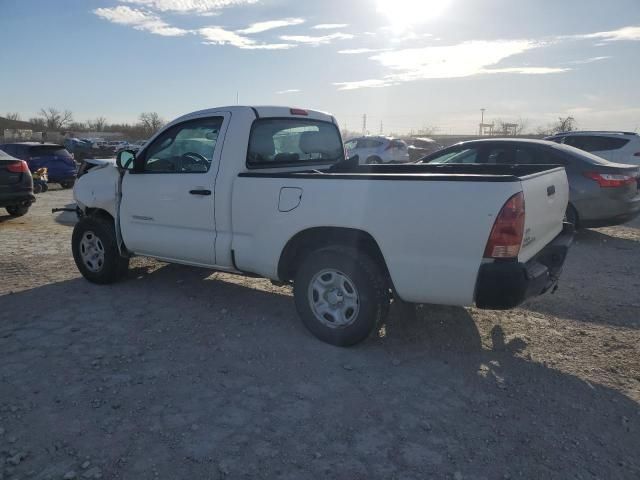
571, 216
37, 188
95, 251
340, 295
374, 160
17, 210
68, 183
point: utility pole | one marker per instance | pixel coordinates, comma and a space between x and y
381, 127
482, 110
237, 98
364, 124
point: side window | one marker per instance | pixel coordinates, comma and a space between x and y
291, 141
603, 144
578, 141
184, 148
500, 155
526, 155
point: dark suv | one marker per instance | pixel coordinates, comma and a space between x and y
61, 166
16, 185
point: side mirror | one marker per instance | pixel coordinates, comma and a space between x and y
125, 159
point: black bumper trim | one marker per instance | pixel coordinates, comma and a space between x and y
505, 285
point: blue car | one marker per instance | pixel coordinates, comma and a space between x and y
61, 166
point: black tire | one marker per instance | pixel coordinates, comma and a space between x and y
37, 188
370, 286
68, 183
17, 210
45, 187
113, 267
374, 161
571, 216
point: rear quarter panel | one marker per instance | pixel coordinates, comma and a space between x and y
432, 233
544, 210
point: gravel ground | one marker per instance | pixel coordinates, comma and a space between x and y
180, 373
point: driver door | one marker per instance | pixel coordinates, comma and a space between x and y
167, 207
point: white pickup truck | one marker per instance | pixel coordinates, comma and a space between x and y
267, 191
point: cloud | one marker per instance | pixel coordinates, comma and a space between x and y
220, 36
455, 61
330, 26
625, 33
357, 51
270, 25
189, 6
291, 90
527, 70
139, 20
588, 60
322, 40
372, 83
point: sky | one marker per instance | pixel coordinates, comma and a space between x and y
406, 64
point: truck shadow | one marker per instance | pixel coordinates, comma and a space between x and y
599, 283
223, 370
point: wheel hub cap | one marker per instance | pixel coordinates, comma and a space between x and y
333, 298
92, 251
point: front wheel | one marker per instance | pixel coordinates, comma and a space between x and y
68, 183
95, 251
340, 295
17, 210
374, 160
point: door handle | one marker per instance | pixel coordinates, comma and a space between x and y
551, 190
204, 193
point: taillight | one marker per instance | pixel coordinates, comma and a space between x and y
18, 167
299, 111
508, 230
610, 180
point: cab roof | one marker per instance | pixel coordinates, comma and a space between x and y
264, 111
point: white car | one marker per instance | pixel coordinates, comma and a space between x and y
617, 147
376, 150
267, 191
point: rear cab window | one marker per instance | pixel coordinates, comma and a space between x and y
276, 142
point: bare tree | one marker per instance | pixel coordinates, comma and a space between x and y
565, 124
54, 119
12, 116
151, 122
98, 124
38, 122
523, 124
427, 131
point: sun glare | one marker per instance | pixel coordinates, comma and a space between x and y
403, 14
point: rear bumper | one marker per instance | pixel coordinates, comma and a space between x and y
505, 285
608, 212
11, 199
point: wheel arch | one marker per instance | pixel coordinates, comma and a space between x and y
306, 241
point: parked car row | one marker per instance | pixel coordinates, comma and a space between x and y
16, 185
60, 165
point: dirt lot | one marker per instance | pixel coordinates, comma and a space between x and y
179, 373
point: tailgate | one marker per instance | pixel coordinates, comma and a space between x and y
546, 196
